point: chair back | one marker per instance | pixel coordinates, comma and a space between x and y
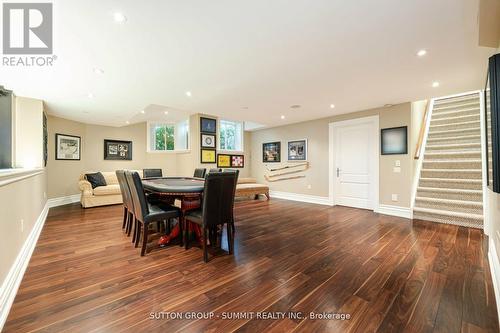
214, 170
200, 172
218, 198
141, 209
152, 173
125, 191
237, 173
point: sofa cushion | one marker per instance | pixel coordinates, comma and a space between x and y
96, 179
107, 190
244, 180
251, 186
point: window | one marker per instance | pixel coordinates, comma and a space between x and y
230, 135
168, 136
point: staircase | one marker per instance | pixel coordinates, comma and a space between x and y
450, 186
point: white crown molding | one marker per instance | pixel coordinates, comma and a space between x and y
404, 212
301, 197
10, 285
55, 202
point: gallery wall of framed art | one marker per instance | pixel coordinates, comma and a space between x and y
208, 140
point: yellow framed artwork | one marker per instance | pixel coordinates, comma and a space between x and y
223, 161
207, 156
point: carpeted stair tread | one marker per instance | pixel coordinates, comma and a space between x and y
455, 126
453, 133
462, 155
476, 217
456, 119
454, 147
450, 193
451, 113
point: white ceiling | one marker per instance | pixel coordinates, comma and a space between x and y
252, 60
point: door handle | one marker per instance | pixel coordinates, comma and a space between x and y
338, 172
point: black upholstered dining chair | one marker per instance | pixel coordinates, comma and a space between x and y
128, 205
212, 170
152, 173
237, 173
216, 208
200, 172
146, 213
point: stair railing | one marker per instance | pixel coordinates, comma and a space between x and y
422, 133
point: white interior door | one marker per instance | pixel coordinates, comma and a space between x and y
355, 163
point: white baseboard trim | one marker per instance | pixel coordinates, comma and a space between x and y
395, 211
10, 285
495, 271
54, 202
300, 197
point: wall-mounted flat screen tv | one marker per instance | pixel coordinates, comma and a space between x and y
492, 123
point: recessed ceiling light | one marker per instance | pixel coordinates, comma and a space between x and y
90, 95
332, 106
388, 105
119, 18
188, 94
127, 122
435, 84
282, 117
166, 112
421, 53
143, 112
98, 71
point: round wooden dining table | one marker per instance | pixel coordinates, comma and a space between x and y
185, 189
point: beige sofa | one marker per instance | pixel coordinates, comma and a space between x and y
101, 195
248, 187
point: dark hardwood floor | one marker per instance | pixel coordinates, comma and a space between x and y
387, 273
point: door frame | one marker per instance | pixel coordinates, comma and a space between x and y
374, 121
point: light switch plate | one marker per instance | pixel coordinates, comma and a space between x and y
398, 163
396, 169
394, 197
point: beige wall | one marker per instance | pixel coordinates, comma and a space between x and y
21, 200
63, 175
29, 132
316, 132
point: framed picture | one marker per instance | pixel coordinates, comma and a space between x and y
223, 161
237, 161
271, 152
394, 141
68, 147
297, 150
117, 150
207, 140
492, 123
207, 155
208, 125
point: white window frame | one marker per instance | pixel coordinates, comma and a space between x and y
175, 151
229, 151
